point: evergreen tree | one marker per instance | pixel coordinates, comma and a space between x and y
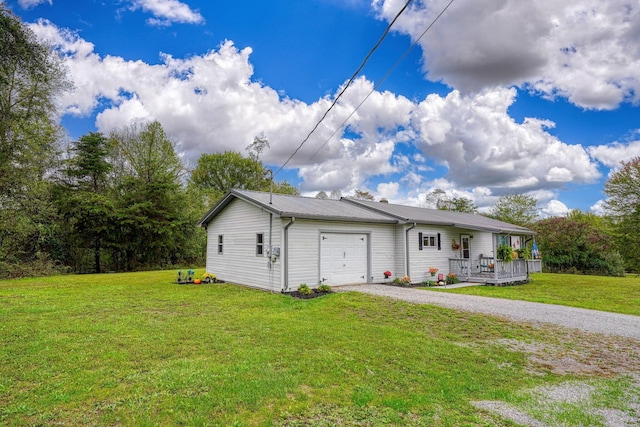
83, 199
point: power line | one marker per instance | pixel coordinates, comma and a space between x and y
335, 101
387, 74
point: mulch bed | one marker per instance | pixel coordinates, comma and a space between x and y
409, 285
314, 294
201, 283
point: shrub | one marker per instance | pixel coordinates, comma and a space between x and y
452, 279
570, 246
324, 288
404, 281
304, 289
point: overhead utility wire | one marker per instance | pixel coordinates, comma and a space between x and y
388, 73
353, 77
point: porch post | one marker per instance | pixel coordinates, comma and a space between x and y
494, 243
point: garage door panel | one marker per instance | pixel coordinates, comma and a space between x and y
343, 258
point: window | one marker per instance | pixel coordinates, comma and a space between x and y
504, 240
259, 244
428, 241
220, 243
516, 242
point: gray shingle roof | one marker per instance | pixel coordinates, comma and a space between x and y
350, 210
287, 206
438, 217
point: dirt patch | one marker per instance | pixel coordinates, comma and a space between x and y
580, 353
564, 393
574, 353
508, 412
548, 401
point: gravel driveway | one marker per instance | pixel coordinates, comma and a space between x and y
624, 325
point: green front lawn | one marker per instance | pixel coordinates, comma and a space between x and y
134, 349
614, 294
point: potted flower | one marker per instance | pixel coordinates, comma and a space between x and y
452, 279
387, 274
209, 278
433, 271
455, 245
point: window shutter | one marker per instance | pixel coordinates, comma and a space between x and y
419, 241
439, 245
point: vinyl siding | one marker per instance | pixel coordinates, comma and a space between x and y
239, 223
304, 249
421, 260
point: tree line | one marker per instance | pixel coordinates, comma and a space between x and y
118, 202
127, 200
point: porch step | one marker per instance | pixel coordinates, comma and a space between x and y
464, 285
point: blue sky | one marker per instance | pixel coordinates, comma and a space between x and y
499, 97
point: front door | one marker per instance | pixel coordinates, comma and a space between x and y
465, 246
465, 249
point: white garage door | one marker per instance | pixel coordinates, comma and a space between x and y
343, 258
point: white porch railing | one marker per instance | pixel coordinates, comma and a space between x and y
494, 271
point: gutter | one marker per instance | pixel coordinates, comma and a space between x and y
285, 255
406, 249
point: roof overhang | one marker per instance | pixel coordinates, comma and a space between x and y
226, 200
232, 195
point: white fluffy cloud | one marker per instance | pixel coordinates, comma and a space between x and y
166, 12
554, 208
612, 154
483, 146
598, 207
587, 51
211, 104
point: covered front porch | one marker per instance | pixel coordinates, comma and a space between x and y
494, 272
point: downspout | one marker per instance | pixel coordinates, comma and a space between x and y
206, 232
285, 255
406, 242
270, 233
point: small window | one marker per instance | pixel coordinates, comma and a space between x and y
220, 243
259, 244
429, 241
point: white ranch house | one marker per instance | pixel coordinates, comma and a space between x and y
277, 242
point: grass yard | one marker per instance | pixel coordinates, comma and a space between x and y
614, 294
134, 349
